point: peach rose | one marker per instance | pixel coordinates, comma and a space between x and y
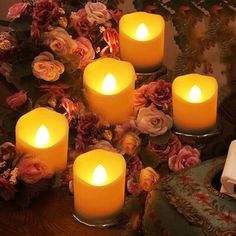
148, 177
186, 157
31, 170
152, 121
60, 41
97, 12
130, 143
46, 68
16, 10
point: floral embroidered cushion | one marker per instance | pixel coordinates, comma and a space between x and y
188, 203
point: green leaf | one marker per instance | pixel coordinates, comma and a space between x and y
21, 24
162, 139
4, 22
132, 205
148, 158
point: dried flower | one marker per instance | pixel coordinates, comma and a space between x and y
165, 151
44, 13
86, 130
139, 97
111, 37
160, 93
148, 177
133, 187
46, 68
7, 42
17, 100
134, 165
152, 121
7, 190
7, 151
80, 22
31, 170
63, 22
186, 157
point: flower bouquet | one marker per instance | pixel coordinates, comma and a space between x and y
43, 52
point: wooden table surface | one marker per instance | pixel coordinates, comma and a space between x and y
48, 215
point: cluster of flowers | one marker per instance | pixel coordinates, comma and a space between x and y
68, 41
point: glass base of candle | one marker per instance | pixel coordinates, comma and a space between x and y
147, 77
99, 223
201, 141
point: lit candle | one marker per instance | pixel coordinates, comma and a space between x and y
109, 88
99, 185
43, 133
141, 37
194, 103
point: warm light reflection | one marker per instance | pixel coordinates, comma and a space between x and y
109, 84
99, 175
195, 94
42, 136
142, 32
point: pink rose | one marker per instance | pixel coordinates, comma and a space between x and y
152, 121
16, 10
139, 97
17, 100
148, 177
160, 93
80, 22
167, 150
46, 68
60, 41
111, 37
186, 157
97, 12
85, 50
31, 170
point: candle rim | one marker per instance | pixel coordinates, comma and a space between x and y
140, 15
87, 80
196, 77
25, 140
102, 151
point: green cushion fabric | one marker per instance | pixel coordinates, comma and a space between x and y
188, 203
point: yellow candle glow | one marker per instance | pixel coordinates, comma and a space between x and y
43, 133
194, 103
141, 37
99, 185
109, 88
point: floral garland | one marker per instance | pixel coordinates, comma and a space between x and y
43, 55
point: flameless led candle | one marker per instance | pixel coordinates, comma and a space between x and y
194, 103
99, 185
109, 88
141, 37
43, 134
